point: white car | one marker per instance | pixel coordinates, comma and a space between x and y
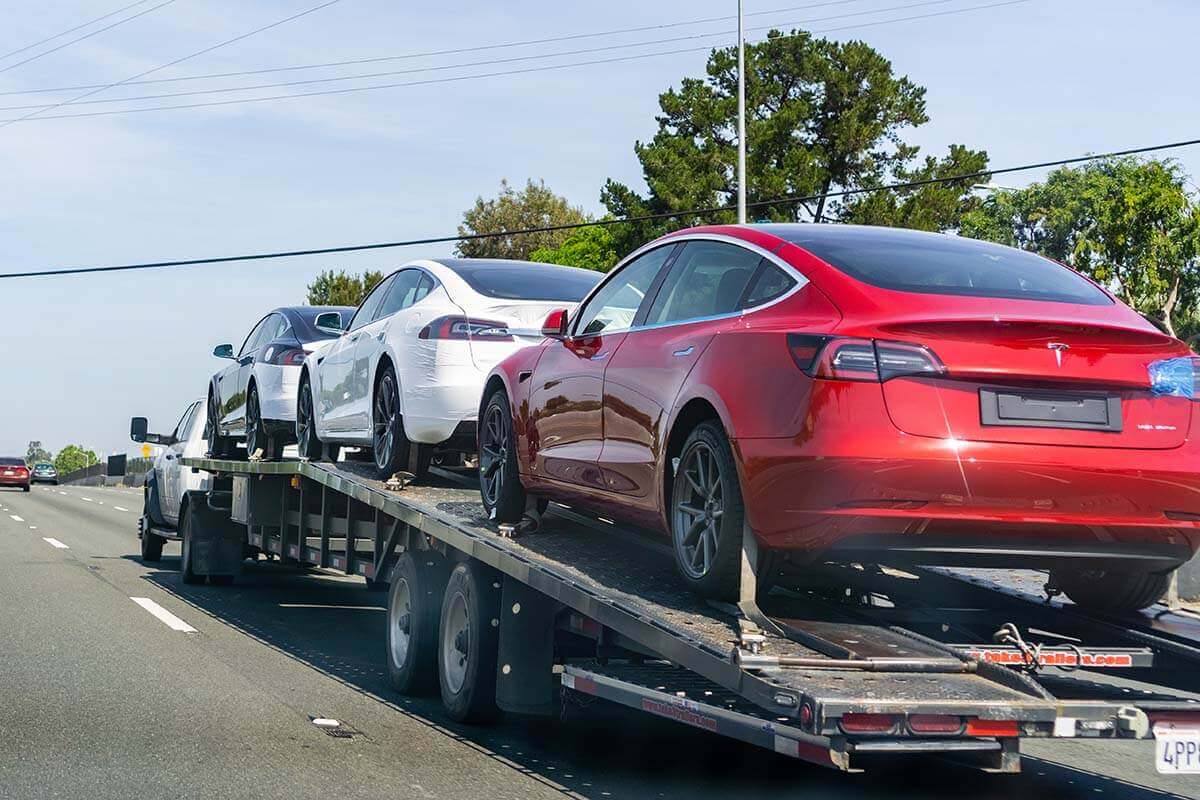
169, 481
411, 364
254, 398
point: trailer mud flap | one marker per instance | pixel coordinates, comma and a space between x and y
525, 679
218, 542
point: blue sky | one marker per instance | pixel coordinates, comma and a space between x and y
1037, 80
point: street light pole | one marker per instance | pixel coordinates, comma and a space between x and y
741, 154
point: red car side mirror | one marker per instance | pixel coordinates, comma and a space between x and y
555, 326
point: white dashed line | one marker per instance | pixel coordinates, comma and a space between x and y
54, 543
87, 499
62, 493
15, 518
33, 527
118, 508
166, 617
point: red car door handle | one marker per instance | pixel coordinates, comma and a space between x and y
687, 351
600, 356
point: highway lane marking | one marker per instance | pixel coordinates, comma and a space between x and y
87, 499
166, 617
118, 508
50, 540
33, 527
15, 518
63, 493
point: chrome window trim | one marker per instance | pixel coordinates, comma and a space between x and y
801, 279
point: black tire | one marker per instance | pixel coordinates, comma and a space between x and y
152, 546
414, 608
389, 444
219, 445
306, 426
707, 514
25, 488
257, 436
468, 642
186, 567
1111, 591
504, 497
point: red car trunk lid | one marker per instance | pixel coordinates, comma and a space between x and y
1058, 370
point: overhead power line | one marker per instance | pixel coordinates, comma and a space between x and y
119, 22
432, 53
486, 63
695, 212
180, 60
38, 115
79, 27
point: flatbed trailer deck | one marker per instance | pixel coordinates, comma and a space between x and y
590, 609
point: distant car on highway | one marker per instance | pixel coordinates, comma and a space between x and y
44, 472
254, 398
13, 472
410, 366
168, 481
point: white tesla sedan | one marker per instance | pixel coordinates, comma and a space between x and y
409, 368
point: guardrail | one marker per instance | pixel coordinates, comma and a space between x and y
97, 474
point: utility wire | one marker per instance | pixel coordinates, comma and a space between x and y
60, 34
455, 51
181, 59
119, 22
456, 79
695, 212
489, 62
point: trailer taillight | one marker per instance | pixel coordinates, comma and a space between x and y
868, 723
992, 727
935, 724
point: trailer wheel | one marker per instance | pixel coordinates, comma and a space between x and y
1111, 590
504, 497
707, 513
414, 602
468, 641
186, 567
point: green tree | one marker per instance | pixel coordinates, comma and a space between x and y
592, 248
1129, 224
822, 116
73, 457
535, 206
341, 288
35, 454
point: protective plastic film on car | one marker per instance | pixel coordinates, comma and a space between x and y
1175, 377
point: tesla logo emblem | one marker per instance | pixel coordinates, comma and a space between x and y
1059, 348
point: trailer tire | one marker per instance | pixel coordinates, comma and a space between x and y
414, 606
468, 642
504, 497
186, 567
1111, 591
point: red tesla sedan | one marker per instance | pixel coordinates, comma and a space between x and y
859, 394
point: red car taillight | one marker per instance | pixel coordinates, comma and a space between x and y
288, 356
848, 359
465, 328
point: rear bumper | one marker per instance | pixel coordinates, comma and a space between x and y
277, 388
433, 414
853, 483
13, 480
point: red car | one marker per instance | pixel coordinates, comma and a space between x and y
865, 395
14, 472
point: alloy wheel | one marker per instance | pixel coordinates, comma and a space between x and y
698, 509
253, 425
385, 421
304, 415
493, 455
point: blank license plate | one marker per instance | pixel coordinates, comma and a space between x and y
1177, 752
1078, 411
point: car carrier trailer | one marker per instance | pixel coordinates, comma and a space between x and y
858, 665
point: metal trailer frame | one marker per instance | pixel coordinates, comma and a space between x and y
821, 682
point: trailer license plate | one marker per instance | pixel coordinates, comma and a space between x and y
1178, 752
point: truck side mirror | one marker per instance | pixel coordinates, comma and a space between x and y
137, 429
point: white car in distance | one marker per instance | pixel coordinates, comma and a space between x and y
169, 480
410, 366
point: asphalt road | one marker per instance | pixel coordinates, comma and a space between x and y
100, 698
